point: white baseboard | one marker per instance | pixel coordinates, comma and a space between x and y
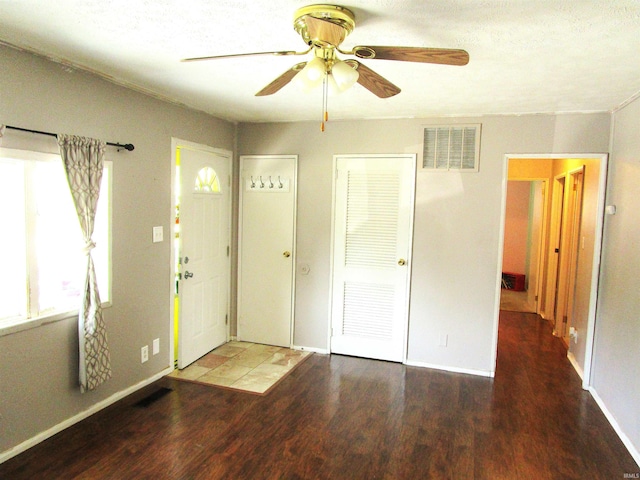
626, 440
445, 368
42, 436
576, 366
322, 351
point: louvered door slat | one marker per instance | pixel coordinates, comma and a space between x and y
372, 219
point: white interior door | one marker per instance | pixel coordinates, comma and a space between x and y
266, 249
205, 215
373, 228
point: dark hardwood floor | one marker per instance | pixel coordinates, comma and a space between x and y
338, 417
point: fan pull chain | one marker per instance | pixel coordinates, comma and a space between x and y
325, 92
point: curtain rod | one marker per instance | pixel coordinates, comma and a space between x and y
126, 146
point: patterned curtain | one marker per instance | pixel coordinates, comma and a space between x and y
83, 158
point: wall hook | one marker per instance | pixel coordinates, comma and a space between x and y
253, 183
261, 182
270, 182
280, 185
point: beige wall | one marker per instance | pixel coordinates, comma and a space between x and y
38, 367
516, 227
455, 260
616, 363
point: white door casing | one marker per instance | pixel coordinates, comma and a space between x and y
266, 244
371, 262
205, 215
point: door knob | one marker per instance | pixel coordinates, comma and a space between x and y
188, 274
402, 262
286, 254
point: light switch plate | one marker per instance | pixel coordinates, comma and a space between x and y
158, 234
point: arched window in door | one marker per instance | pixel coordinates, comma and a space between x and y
207, 181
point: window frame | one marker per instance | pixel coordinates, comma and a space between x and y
12, 325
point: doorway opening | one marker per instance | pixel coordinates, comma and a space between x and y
524, 252
562, 202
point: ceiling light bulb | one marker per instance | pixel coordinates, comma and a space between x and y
344, 75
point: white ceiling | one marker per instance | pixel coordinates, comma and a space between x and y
526, 56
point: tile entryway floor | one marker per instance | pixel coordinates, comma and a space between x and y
250, 367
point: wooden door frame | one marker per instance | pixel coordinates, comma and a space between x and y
175, 144
597, 248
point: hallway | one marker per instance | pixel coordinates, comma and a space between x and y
338, 417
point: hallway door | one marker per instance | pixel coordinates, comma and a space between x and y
557, 220
537, 236
572, 248
373, 231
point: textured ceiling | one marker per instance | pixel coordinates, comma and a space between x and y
527, 56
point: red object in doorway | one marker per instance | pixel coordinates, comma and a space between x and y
513, 281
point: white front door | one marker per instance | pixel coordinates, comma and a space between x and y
266, 248
204, 256
373, 229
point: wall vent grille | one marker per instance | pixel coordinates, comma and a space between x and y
451, 147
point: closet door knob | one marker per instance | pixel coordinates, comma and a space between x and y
402, 262
286, 254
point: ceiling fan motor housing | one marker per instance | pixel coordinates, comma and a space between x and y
320, 37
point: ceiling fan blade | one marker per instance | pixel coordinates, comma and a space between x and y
323, 31
443, 56
375, 83
214, 57
281, 81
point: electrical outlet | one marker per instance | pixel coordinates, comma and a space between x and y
144, 354
156, 346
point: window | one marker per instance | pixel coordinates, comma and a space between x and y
41, 244
207, 181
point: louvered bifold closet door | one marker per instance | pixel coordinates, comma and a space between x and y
372, 239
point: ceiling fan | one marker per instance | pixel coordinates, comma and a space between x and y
323, 28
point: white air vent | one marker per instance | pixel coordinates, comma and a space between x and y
451, 147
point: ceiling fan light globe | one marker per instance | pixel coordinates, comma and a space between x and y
333, 87
303, 83
315, 69
344, 75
